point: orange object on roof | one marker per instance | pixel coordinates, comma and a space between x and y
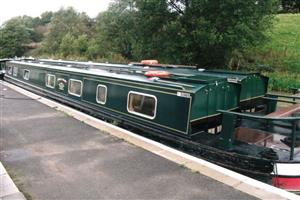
149, 62
161, 74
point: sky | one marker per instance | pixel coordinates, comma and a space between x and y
34, 8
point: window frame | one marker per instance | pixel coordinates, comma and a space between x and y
141, 114
81, 86
13, 71
28, 74
10, 70
49, 86
101, 102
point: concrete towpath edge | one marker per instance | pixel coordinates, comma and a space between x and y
8, 190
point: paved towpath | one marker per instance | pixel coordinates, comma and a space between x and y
53, 156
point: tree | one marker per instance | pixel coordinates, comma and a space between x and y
115, 30
189, 31
14, 35
215, 30
81, 45
65, 24
67, 44
196, 32
45, 18
290, 5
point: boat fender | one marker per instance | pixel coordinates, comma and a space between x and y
149, 62
160, 74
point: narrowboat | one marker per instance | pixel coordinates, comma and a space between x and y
224, 117
253, 85
2, 67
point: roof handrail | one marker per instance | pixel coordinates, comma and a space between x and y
249, 116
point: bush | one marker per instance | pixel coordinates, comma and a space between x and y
282, 81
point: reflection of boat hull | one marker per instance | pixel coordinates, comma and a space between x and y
287, 176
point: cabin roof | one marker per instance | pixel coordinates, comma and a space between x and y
186, 82
4, 59
232, 76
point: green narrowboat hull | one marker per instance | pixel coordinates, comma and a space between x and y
180, 103
187, 108
252, 85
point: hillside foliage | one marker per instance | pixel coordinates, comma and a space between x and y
280, 54
204, 33
232, 34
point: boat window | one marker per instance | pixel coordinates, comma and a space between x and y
9, 70
75, 87
26, 74
142, 104
50, 81
101, 94
15, 71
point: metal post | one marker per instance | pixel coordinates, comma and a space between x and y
271, 104
293, 139
294, 93
228, 127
